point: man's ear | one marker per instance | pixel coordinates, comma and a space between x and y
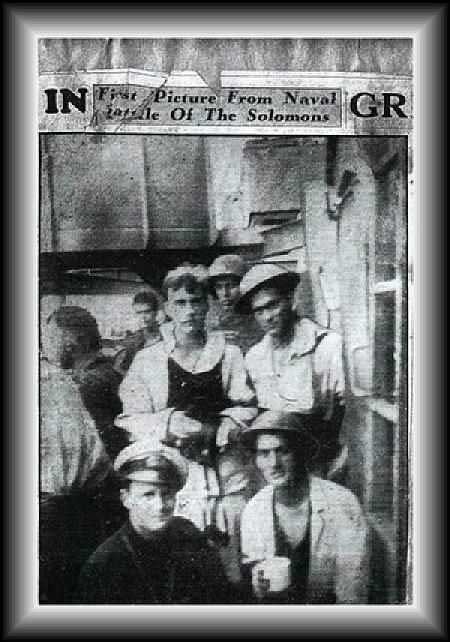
167, 309
125, 498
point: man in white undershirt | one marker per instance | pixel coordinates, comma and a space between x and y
313, 526
191, 390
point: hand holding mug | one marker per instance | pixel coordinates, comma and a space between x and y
272, 575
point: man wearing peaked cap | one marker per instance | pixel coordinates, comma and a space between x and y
155, 558
297, 366
191, 391
225, 275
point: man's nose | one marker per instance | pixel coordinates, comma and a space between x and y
159, 502
273, 459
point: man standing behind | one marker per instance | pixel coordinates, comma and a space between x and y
145, 307
225, 275
297, 366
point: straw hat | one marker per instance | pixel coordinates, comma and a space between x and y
227, 265
290, 423
265, 275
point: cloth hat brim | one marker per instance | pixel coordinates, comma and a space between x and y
295, 424
286, 281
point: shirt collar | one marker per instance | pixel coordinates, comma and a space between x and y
306, 333
212, 352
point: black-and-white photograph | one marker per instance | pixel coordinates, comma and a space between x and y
223, 369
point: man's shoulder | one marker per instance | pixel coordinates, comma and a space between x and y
260, 499
117, 543
318, 333
133, 342
338, 497
156, 350
182, 533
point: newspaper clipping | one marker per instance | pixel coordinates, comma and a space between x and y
224, 327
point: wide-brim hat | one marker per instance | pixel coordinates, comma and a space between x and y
264, 275
295, 424
227, 265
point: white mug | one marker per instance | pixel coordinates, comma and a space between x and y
272, 574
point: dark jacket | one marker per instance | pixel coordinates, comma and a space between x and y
175, 566
98, 383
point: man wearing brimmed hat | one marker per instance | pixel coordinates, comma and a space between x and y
225, 275
311, 528
297, 366
155, 558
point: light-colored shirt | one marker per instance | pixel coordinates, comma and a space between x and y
339, 540
145, 387
308, 377
72, 454
145, 394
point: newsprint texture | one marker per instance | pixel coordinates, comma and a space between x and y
224, 321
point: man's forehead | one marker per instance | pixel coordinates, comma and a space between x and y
182, 294
142, 307
148, 480
266, 441
225, 280
264, 296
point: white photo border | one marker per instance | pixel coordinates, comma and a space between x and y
24, 25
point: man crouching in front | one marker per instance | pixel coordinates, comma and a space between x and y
155, 558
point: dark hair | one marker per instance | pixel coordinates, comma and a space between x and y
190, 277
79, 321
147, 296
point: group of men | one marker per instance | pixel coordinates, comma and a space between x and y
228, 428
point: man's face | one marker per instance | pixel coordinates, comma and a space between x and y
60, 345
146, 315
272, 311
187, 310
275, 459
150, 504
227, 291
